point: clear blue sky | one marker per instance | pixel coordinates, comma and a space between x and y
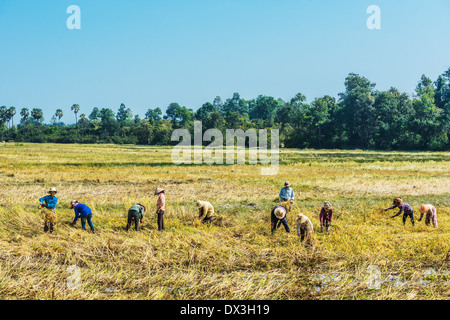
150, 53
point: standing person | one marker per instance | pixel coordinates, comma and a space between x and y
49, 202
287, 193
83, 212
326, 216
136, 213
405, 208
205, 209
304, 228
160, 207
278, 217
431, 215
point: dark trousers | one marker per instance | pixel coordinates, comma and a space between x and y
280, 222
89, 221
133, 215
46, 228
161, 220
207, 220
302, 234
49, 219
326, 224
410, 215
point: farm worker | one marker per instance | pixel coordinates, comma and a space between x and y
83, 212
49, 202
430, 211
205, 209
278, 216
326, 216
160, 207
136, 213
304, 228
405, 208
287, 193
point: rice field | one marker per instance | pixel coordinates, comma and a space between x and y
236, 257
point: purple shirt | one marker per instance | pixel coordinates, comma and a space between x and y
326, 215
404, 207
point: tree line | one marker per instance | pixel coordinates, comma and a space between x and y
361, 117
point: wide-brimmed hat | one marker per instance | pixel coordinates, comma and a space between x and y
424, 208
301, 218
327, 205
158, 191
73, 202
398, 201
287, 184
53, 190
200, 204
279, 213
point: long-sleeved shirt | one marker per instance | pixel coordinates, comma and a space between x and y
274, 217
49, 201
304, 223
81, 210
431, 214
325, 215
287, 194
404, 207
206, 210
139, 209
161, 203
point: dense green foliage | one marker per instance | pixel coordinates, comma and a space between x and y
362, 117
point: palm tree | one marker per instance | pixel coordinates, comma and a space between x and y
75, 108
2, 120
83, 122
12, 113
7, 118
59, 114
37, 114
3, 114
38, 117
24, 113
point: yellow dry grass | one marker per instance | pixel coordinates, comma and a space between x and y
236, 257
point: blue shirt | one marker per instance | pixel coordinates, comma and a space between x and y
287, 194
49, 201
81, 210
